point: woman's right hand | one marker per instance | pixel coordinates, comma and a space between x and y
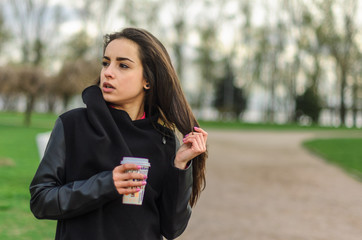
127, 181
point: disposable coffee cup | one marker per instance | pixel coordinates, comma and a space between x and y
136, 198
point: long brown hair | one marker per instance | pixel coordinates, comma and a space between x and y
165, 93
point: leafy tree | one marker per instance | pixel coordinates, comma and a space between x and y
206, 62
230, 100
308, 104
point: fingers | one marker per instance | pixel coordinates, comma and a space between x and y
129, 184
197, 144
127, 180
200, 130
197, 140
130, 171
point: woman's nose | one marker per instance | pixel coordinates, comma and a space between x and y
108, 73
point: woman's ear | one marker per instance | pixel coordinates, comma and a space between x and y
146, 86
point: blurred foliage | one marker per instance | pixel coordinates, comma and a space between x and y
230, 100
73, 78
280, 52
4, 33
308, 104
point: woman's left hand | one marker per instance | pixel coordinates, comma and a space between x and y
193, 145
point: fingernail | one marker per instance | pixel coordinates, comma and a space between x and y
139, 167
145, 177
196, 128
144, 182
138, 189
186, 135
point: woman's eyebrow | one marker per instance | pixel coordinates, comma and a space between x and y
123, 59
119, 59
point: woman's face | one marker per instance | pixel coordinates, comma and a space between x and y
122, 81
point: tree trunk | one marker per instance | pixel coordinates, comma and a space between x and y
66, 99
272, 101
51, 104
179, 60
29, 108
354, 103
342, 109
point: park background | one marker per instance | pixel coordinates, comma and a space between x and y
244, 65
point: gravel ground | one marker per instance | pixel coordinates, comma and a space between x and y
265, 186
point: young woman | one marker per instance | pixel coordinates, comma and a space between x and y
133, 111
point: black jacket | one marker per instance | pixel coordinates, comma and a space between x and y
74, 183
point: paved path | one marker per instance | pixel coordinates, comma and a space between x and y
265, 186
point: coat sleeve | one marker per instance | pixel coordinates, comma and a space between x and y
175, 209
52, 198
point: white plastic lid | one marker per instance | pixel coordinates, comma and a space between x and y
136, 160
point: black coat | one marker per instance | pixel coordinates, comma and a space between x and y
74, 183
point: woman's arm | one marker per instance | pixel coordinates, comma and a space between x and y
175, 210
52, 198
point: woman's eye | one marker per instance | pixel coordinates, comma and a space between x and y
105, 64
121, 65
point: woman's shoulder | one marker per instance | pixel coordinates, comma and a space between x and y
75, 113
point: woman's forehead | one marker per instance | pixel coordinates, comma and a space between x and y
123, 48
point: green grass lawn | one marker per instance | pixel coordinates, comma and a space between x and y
344, 152
232, 125
19, 160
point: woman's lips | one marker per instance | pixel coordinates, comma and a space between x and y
107, 87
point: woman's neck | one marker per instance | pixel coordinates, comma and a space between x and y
134, 112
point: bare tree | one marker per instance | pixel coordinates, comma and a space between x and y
4, 33
294, 12
309, 102
265, 66
30, 81
152, 10
78, 46
93, 15
8, 87
356, 75
180, 27
35, 24
206, 61
129, 12
339, 43
73, 78
209, 48
246, 42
